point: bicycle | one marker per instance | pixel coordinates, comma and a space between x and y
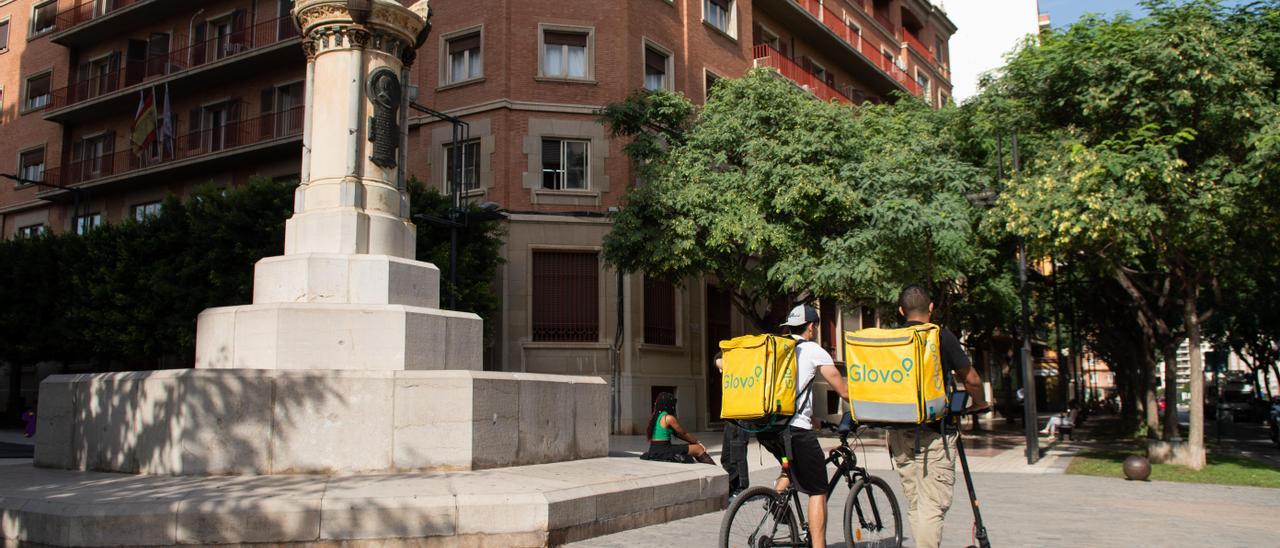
761, 516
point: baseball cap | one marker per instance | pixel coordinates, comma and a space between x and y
800, 315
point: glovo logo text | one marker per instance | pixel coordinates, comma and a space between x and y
865, 373
735, 382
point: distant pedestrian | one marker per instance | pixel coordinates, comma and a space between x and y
663, 425
29, 422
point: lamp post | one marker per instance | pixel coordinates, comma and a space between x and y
987, 199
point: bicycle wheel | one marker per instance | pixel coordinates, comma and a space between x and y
872, 516
759, 518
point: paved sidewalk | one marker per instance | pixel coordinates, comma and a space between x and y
1050, 510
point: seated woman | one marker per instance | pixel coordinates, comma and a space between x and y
662, 426
1062, 422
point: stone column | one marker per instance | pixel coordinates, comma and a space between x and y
347, 293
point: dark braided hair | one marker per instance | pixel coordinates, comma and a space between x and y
666, 401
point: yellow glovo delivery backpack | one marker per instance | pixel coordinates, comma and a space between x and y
758, 381
895, 375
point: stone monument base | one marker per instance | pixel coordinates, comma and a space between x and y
243, 421
537, 505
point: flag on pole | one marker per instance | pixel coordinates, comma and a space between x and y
144, 124
166, 131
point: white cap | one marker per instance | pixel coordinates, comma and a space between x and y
800, 315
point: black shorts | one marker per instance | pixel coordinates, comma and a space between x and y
808, 463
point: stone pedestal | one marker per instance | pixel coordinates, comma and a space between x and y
348, 294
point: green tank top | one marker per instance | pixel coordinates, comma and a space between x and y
660, 432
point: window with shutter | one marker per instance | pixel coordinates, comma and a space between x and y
4, 35
565, 55
158, 54
31, 165
266, 106
470, 170
193, 129
720, 15
44, 17
565, 296
655, 69
464, 58
659, 312
38, 91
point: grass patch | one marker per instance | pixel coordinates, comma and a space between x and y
1221, 469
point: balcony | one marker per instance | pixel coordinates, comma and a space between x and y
919, 48
766, 56
264, 136
267, 45
866, 61
93, 21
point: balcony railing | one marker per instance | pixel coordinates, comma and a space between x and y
833, 21
88, 10
227, 136
920, 48
768, 57
177, 60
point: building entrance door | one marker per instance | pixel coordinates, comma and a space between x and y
718, 310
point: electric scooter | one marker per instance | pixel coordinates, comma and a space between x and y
959, 403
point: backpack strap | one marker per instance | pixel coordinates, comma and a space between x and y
807, 391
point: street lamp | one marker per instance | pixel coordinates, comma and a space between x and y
987, 199
460, 217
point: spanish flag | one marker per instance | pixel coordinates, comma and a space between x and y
144, 124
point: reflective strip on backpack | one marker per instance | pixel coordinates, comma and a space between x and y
866, 411
878, 339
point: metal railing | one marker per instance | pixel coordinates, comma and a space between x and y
227, 136
766, 56
914, 43
88, 10
133, 73
867, 48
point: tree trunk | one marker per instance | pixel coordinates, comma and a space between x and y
1197, 378
1170, 352
1151, 409
1266, 381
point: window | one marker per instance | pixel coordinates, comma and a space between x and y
43, 17
655, 69
564, 164
31, 165
710, 82
38, 91
4, 35
720, 15
143, 211
470, 152
280, 110
94, 154
939, 51
465, 60
566, 296
659, 312
853, 26
868, 317
943, 99
85, 223
924, 83
564, 54
31, 231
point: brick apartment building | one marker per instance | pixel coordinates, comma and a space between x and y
526, 75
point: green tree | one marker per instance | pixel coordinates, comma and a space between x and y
777, 195
1143, 127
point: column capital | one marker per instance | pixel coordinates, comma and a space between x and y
354, 23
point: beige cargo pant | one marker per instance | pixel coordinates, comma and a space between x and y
928, 479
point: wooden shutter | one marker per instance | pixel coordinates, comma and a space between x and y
76, 173
158, 53
464, 43
193, 129
659, 312
199, 45
239, 32
565, 39
266, 106
113, 71
233, 123
135, 62
80, 90
108, 153
551, 161
655, 61
4, 34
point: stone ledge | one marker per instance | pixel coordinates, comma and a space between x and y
245, 421
519, 506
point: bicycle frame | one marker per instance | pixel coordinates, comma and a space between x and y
847, 468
